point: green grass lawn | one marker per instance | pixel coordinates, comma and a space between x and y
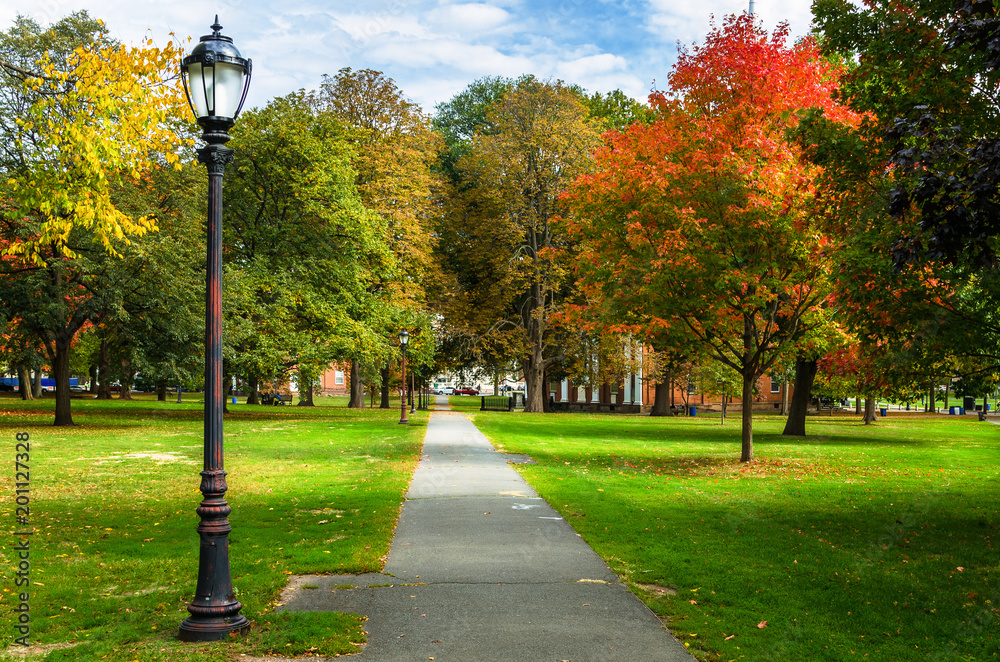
465, 403
115, 553
852, 543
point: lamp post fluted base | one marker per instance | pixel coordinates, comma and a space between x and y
213, 629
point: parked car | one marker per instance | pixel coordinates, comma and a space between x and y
465, 390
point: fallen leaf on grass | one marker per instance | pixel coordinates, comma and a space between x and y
694, 602
762, 624
730, 637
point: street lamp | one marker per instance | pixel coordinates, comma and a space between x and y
404, 338
216, 79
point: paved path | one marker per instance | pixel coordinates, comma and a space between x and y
482, 569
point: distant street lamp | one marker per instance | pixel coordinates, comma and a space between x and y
413, 398
404, 338
216, 79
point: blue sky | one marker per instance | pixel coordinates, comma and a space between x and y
432, 48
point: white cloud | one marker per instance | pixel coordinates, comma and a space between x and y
467, 19
590, 65
477, 60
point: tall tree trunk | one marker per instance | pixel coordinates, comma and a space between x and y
36, 383
227, 387
859, 408
947, 390
93, 379
384, 404
127, 375
305, 382
24, 382
310, 393
536, 390
534, 379
103, 371
725, 401
357, 400
805, 373
546, 402
784, 398
253, 383
931, 399
60, 368
161, 390
180, 392
870, 413
746, 451
661, 399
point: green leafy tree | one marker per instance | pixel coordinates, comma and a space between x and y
394, 154
301, 249
535, 140
917, 185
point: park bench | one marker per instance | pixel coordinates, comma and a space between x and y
276, 399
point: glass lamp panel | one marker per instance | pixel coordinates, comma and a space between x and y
228, 89
197, 88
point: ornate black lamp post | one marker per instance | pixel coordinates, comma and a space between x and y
216, 80
404, 338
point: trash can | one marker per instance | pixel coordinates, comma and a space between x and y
693, 411
234, 399
952, 411
883, 411
961, 411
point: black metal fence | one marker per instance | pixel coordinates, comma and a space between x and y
502, 402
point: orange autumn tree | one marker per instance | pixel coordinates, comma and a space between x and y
707, 222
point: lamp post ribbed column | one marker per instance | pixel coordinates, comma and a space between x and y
216, 81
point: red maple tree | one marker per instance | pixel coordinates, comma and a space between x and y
707, 221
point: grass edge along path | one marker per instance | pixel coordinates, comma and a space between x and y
115, 552
851, 543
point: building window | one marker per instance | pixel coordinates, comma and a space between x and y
338, 377
775, 386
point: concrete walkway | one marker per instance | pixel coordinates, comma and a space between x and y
481, 568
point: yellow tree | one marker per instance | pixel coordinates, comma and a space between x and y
83, 118
106, 116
